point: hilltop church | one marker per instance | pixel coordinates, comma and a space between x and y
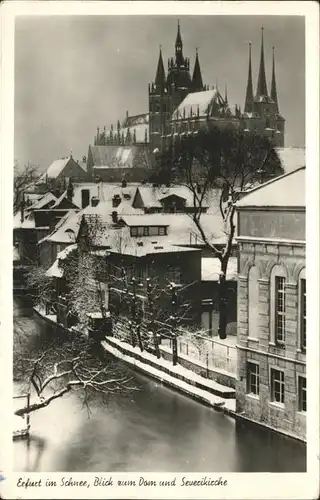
180, 104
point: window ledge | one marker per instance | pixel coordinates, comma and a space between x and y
253, 339
253, 396
302, 413
277, 405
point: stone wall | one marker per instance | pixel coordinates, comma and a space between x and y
260, 346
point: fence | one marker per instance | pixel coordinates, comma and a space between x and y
208, 352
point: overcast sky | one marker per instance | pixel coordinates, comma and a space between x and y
74, 73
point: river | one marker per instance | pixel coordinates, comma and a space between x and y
154, 429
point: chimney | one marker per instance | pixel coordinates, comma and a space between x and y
116, 200
124, 183
84, 159
114, 215
95, 201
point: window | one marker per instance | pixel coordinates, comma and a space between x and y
280, 309
277, 386
302, 396
145, 231
134, 231
174, 274
140, 231
303, 314
253, 302
253, 378
162, 230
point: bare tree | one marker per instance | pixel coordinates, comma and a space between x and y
23, 178
69, 363
219, 164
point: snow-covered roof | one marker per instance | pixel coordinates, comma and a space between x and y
288, 190
152, 196
146, 220
204, 100
211, 268
292, 158
16, 255
28, 223
43, 201
55, 270
56, 167
104, 191
66, 230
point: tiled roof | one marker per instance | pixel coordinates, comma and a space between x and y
113, 156
203, 99
288, 190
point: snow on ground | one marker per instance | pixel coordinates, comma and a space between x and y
169, 378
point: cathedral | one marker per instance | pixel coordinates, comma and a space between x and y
182, 104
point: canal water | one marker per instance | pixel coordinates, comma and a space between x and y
153, 429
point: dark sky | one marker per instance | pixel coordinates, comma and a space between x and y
73, 73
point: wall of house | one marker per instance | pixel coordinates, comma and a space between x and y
157, 267
256, 343
272, 224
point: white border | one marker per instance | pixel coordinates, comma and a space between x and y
253, 486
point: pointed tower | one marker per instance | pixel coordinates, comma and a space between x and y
273, 92
197, 84
160, 79
158, 105
179, 54
179, 79
248, 107
262, 91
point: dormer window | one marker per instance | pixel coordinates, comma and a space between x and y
148, 231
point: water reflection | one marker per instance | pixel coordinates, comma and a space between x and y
153, 430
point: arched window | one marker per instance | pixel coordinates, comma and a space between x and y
277, 305
253, 303
302, 310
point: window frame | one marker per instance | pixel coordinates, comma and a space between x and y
281, 381
250, 365
280, 312
302, 394
302, 311
134, 231
278, 270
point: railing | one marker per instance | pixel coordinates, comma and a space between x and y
209, 352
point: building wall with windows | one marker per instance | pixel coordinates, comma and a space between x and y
271, 332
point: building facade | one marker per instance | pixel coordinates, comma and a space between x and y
271, 386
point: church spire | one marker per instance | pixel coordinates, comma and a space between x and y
197, 84
262, 90
160, 75
273, 93
179, 55
248, 107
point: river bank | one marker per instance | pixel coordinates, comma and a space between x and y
153, 429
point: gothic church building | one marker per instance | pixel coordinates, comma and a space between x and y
180, 103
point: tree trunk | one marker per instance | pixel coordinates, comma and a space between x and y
223, 302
